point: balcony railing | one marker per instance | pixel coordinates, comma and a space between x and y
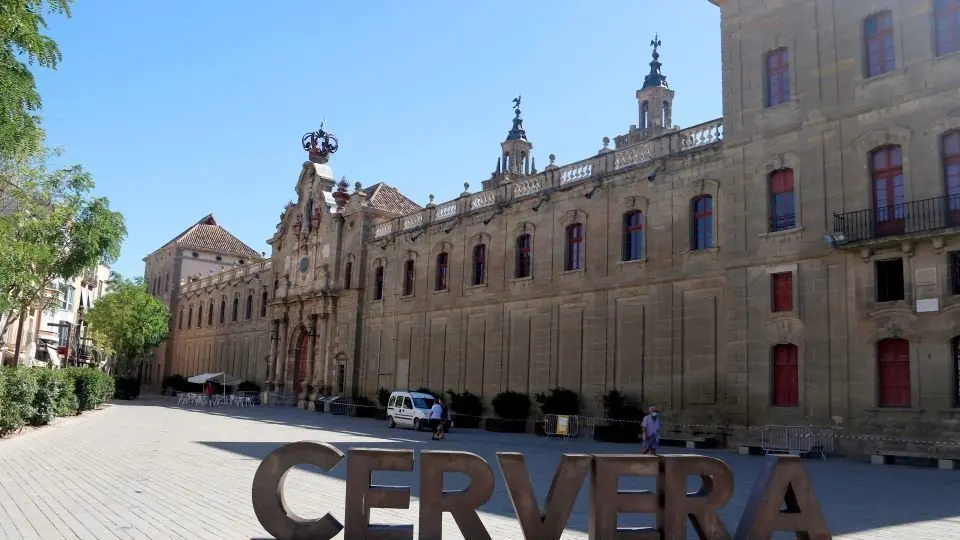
699, 137
912, 217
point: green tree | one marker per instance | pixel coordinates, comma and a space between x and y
50, 227
23, 44
130, 321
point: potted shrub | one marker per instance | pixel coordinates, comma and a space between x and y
625, 417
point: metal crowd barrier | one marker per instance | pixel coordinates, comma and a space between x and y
277, 399
343, 409
796, 440
561, 426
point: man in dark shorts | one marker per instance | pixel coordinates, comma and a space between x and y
651, 431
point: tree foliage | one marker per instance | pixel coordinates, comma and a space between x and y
51, 226
23, 44
129, 321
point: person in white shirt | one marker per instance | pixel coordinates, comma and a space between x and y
436, 420
651, 431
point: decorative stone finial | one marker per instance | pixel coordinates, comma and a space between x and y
606, 142
552, 158
606, 146
341, 195
466, 189
357, 186
430, 204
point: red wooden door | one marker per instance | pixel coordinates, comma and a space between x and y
893, 372
786, 383
301, 372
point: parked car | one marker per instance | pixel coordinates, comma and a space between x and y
411, 409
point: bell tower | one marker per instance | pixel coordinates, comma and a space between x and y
515, 160
655, 99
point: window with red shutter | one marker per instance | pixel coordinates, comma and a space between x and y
782, 213
442, 271
950, 149
786, 376
574, 254
524, 257
778, 77
879, 44
893, 372
782, 291
946, 17
479, 264
889, 197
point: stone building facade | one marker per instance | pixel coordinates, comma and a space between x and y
796, 261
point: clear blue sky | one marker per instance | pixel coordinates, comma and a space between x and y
184, 108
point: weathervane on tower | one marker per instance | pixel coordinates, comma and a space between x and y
656, 44
320, 144
516, 102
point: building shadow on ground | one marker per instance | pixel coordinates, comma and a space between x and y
855, 497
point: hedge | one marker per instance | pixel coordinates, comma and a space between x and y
35, 395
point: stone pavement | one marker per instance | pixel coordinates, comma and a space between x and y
147, 469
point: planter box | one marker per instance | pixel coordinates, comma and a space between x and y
466, 422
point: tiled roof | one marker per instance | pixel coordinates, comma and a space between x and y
389, 199
207, 235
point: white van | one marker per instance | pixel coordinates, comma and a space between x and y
409, 409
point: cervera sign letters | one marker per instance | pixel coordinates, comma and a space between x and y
781, 482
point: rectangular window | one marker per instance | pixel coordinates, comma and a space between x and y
954, 262
782, 213
778, 77
523, 256
946, 16
347, 274
702, 229
782, 284
879, 45
890, 285
263, 304
889, 195
574, 259
408, 278
378, 284
479, 264
633, 236
443, 269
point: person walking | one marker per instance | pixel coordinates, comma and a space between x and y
436, 420
650, 431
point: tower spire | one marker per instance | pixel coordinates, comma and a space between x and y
655, 78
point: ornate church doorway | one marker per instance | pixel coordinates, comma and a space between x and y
300, 374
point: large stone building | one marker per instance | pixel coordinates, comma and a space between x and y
791, 262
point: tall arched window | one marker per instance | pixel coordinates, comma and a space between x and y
951, 174
210, 314
248, 308
786, 376
633, 235
236, 309
190, 317
644, 115
702, 230
946, 14
573, 256
893, 372
886, 168
409, 277
378, 283
878, 35
200, 316
263, 304
782, 213
524, 256
665, 115
443, 271
223, 310
955, 365
180, 320
479, 264
347, 274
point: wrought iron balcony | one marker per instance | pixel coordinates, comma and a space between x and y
910, 218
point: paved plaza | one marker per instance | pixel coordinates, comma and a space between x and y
147, 469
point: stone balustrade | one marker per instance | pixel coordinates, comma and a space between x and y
226, 275
701, 136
